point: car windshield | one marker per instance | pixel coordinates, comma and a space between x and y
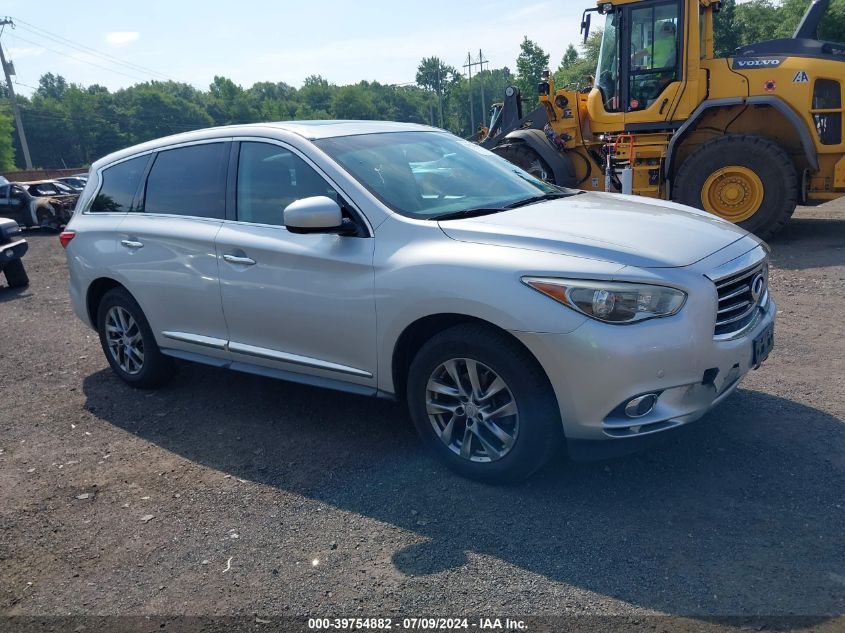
43, 190
429, 174
62, 187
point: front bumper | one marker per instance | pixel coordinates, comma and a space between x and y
598, 368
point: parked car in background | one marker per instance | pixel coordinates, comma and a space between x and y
391, 259
12, 249
74, 182
44, 203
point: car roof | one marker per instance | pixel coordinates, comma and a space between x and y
309, 130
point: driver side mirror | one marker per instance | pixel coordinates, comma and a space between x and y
585, 26
317, 214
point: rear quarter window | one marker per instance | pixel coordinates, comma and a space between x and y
120, 182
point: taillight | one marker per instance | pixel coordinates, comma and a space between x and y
65, 237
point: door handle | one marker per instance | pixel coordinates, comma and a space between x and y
132, 244
235, 259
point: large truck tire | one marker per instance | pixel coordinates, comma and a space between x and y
748, 180
527, 159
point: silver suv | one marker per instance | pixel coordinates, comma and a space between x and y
398, 260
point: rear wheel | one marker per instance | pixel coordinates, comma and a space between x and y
16, 275
526, 159
128, 342
483, 404
747, 180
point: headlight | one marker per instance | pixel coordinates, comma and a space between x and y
611, 302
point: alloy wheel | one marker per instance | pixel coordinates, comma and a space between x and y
472, 410
124, 340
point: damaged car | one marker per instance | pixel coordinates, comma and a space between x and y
44, 203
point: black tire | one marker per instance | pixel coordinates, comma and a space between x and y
16, 275
765, 158
528, 160
156, 368
539, 434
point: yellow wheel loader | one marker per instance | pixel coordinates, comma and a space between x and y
746, 138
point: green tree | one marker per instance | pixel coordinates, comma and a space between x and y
7, 149
570, 58
228, 103
51, 86
316, 97
726, 34
832, 27
353, 102
530, 64
434, 75
575, 72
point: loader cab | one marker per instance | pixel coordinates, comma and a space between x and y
641, 69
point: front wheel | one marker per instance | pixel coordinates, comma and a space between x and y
483, 404
745, 179
528, 160
128, 342
47, 219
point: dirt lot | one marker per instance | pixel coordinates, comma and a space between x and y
270, 498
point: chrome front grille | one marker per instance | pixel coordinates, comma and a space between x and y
740, 295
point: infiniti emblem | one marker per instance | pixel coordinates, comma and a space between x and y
758, 287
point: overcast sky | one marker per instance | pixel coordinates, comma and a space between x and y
251, 41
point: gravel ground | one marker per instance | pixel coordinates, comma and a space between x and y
230, 494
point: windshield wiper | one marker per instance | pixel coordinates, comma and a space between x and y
474, 213
467, 213
533, 199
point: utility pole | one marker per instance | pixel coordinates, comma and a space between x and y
440, 91
469, 66
480, 63
9, 70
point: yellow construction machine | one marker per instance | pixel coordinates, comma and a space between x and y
746, 138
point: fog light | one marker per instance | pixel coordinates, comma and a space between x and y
641, 405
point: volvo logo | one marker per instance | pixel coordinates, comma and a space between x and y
758, 63
758, 287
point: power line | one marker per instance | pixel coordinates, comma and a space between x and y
84, 61
40, 114
61, 40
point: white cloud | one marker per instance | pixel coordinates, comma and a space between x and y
118, 38
27, 51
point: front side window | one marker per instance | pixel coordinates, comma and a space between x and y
607, 73
120, 182
654, 53
427, 174
189, 181
270, 177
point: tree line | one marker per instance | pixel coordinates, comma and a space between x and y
72, 125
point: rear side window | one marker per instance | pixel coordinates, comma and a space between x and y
270, 178
120, 182
189, 181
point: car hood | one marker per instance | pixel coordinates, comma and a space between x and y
627, 230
